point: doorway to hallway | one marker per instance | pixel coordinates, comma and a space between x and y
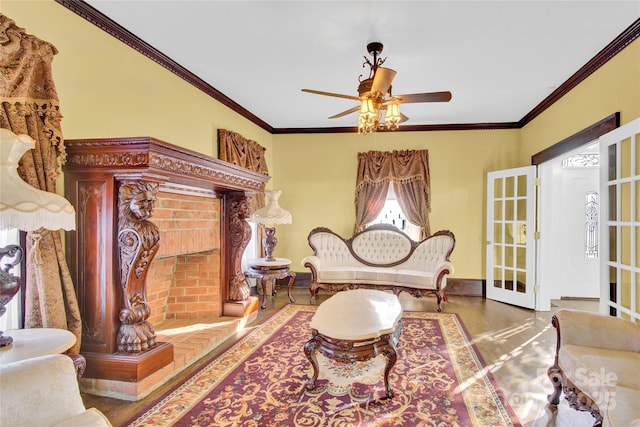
569, 225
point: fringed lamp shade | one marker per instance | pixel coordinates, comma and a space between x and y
269, 216
25, 208
272, 213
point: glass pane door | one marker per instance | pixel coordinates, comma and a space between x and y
620, 211
510, 236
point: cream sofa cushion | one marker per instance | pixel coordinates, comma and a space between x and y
600, 356
43, 391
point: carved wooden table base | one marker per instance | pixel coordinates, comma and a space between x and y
355, 326
351, 351
267, 272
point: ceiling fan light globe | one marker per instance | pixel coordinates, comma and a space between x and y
392, 117
368, 122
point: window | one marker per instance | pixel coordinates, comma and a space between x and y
392, 214
591, 224
591, 202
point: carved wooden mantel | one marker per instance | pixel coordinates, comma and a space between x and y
100, 176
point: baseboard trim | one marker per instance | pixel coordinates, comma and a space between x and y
578, 299
466, 287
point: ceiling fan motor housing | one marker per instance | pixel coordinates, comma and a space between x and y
364, 90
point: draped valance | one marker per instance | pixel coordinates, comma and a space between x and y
238, 150
408, 171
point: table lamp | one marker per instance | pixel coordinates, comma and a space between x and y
269, 216
25, 208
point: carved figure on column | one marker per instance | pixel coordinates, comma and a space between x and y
240, 235
138, 243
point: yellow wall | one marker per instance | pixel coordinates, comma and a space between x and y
317, 175
107, 89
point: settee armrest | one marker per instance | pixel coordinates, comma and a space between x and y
311, 261
588, 329
444, 267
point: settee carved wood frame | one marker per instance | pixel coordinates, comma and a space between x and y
574, 396
396, 289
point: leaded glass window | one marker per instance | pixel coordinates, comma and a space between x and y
591, 224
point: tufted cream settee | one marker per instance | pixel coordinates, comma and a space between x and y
380, 257
597, 366
43, 391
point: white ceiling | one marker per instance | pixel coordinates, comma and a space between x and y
499, 58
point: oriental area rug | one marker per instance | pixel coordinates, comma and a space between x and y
439, 379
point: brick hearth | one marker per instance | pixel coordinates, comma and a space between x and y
192, 339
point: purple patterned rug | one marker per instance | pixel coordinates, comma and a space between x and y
438, 380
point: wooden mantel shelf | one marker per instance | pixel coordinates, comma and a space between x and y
151, 159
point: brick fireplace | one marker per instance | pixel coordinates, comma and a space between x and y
132, 270
184, 279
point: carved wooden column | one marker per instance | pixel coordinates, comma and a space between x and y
239, 301
138, 243
240, 234
112, 184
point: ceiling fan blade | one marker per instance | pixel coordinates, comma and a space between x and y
344, 113
382, 80
425, 97
338, 95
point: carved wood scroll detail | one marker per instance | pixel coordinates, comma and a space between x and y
240, 234
138, 243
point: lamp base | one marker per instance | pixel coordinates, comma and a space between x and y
5, 340
269, 242
9, 284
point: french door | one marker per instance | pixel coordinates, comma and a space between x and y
511, 225
620, 234
511, 208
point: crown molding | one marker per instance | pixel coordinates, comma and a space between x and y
406, 128
92, 15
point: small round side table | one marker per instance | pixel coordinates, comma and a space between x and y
34, 342
268, 272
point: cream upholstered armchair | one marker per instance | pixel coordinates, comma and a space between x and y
43, 391
597, 366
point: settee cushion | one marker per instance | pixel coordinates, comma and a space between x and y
611, 378
594, 369
416, 279
623, 406
337, 274
376, 275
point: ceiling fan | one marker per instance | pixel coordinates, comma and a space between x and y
375, 97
